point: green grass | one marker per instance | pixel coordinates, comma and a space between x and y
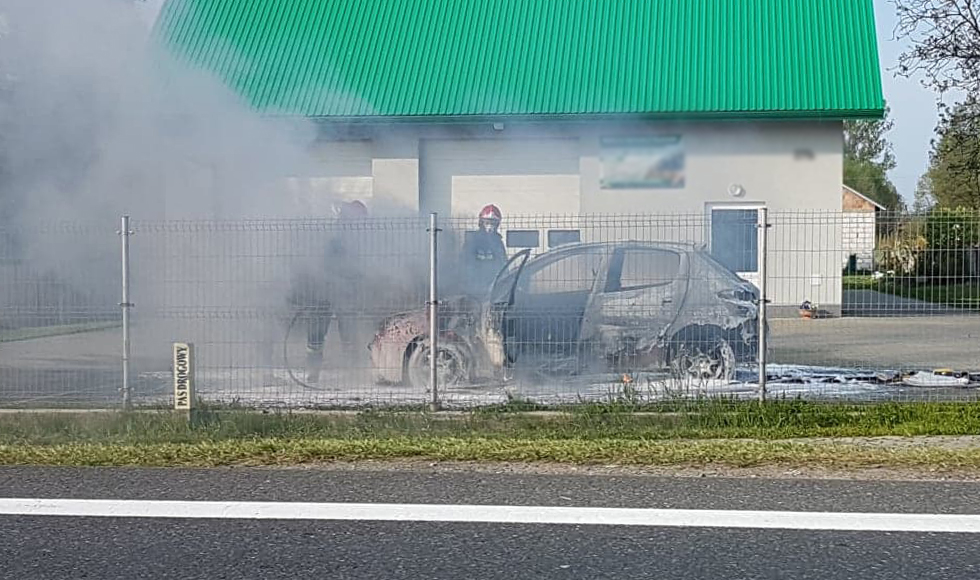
708, 419
958, 295
961, 295
860, 282
29, 333
711, 431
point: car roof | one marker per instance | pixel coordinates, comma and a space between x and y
571, 248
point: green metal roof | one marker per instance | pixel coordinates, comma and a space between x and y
486, 58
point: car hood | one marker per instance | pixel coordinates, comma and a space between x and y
419, 317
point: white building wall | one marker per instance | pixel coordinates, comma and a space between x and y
788, 166
532, 176
338, 171
793, 168
395, 173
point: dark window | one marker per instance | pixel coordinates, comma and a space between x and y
635, 269
735, 239
561, 237
522, 239
575, 273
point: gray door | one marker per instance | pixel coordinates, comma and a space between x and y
551, 300
735, 240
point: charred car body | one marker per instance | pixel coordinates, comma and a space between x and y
589, 307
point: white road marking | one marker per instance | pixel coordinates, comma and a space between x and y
496, 514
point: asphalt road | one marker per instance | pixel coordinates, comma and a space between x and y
110, 548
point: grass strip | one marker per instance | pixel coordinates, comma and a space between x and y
707, 420
956, 294
33, 332
729, 433
280, 452
962, 295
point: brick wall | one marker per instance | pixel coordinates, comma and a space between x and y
858, 238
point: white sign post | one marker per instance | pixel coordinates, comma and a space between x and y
183, 376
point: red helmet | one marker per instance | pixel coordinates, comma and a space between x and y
353, 210
490, 212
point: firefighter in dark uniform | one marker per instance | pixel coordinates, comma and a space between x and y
326, 291
484, 253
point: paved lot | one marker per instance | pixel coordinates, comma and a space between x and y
84, 369
887, 343
871, 303
118, 548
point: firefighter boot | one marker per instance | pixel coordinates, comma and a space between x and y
314, 360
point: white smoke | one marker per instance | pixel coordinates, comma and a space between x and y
99, 122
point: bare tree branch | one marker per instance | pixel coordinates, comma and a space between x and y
945, 42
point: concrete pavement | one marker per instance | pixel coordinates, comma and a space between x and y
879, 343
84, 369
872, 304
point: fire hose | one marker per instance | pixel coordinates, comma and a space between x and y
285, 348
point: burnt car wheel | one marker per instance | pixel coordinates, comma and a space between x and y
452, 365
712, 359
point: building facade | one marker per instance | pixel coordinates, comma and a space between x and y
700, 108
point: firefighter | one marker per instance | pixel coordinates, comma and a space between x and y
483, 252
329, 290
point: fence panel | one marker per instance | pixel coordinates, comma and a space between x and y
280, 312
883, 301
634, 308
60, 340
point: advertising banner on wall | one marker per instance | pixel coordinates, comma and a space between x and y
654, 162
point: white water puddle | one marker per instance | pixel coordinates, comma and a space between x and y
276, 388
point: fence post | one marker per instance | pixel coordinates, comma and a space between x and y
433, 311
763, 227
125, 232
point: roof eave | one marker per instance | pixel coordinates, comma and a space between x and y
864, 197
829, 115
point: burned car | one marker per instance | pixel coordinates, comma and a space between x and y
586, 307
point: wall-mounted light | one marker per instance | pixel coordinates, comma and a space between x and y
736, 190
498, 126
804, 154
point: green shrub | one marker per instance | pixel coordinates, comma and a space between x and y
952, 235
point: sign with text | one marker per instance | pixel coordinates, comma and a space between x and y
653, 162
183, 375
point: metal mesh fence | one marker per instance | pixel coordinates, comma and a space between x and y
898, 318
59, 315
862, 306
280, 313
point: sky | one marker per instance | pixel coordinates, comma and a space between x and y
913, 106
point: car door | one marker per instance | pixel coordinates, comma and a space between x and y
496, 326
642, 295
551, 301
